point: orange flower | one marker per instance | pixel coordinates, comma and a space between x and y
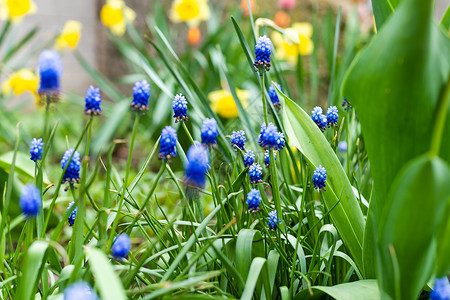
244, 6
282, 19
194, 36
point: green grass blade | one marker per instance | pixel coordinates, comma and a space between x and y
362, 289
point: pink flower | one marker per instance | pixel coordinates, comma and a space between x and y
286, 4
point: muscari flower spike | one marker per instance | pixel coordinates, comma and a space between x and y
92, 102
274, 96
197, 165
270, 138
179, 105
342, 146
73, 214
36, 149
273, 220
319, 118
168, 143
80, 290
121, 246
332, 116
319, 178
267, 158
441, 290
253, 200
346, 104
263, 49
209, 132
255, 173
72, 174
30, 200
249, 158
141, 94
238, 140
50, 71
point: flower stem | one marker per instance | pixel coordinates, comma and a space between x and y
187, 132
263, 93
276, 189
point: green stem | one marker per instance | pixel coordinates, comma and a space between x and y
442, 111
263, 93
276, 188
187, 132
124, 189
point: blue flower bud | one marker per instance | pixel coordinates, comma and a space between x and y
121, 246
30, 200
141, 94
238, 140
179, 105
92, 101
36, 149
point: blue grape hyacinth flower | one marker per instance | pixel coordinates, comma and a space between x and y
273, 220
319, 178
319, 118
253, 200
441, 289
274, 96
267, 157
80, 291
238, 140
121, 246
141, 94
342, 146
332, 116
179, 106
209, 132
30, 200
73, 214
263, 49
50, 71
36, 149
270, 138
255, 173
249, 158
72, 174
92, 102
197, 165
168, 143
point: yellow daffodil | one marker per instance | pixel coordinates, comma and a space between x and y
115, 14
288, 50
15, 10
223, 104
20, 82
70, 35
189, 11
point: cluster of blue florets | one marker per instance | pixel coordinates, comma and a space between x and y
324, 121
263, 49
168, 143
197, 165
267, 157
179, 106
255, 173
441, 290
274, 96
121, 246
36, 149
270, 138
238, 140
319, 178
92, 102
253, 200
72, 174
30, 200
249, 158
209, 132
73, 214
80, 290
50, 71
141, 94
273, 220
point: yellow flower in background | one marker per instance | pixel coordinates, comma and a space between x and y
70, 35
190, 11
115, 14
222, 102
20, 82
15, 10
286, 49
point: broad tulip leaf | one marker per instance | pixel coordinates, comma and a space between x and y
362, 289
406, 237
346, 214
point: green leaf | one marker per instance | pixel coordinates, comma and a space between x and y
443, 247
108, 282
308, 138
34, 260
445, 21
407, 244
24, 165
248, 245
396, 120
363, 289
382, 10
258, 271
